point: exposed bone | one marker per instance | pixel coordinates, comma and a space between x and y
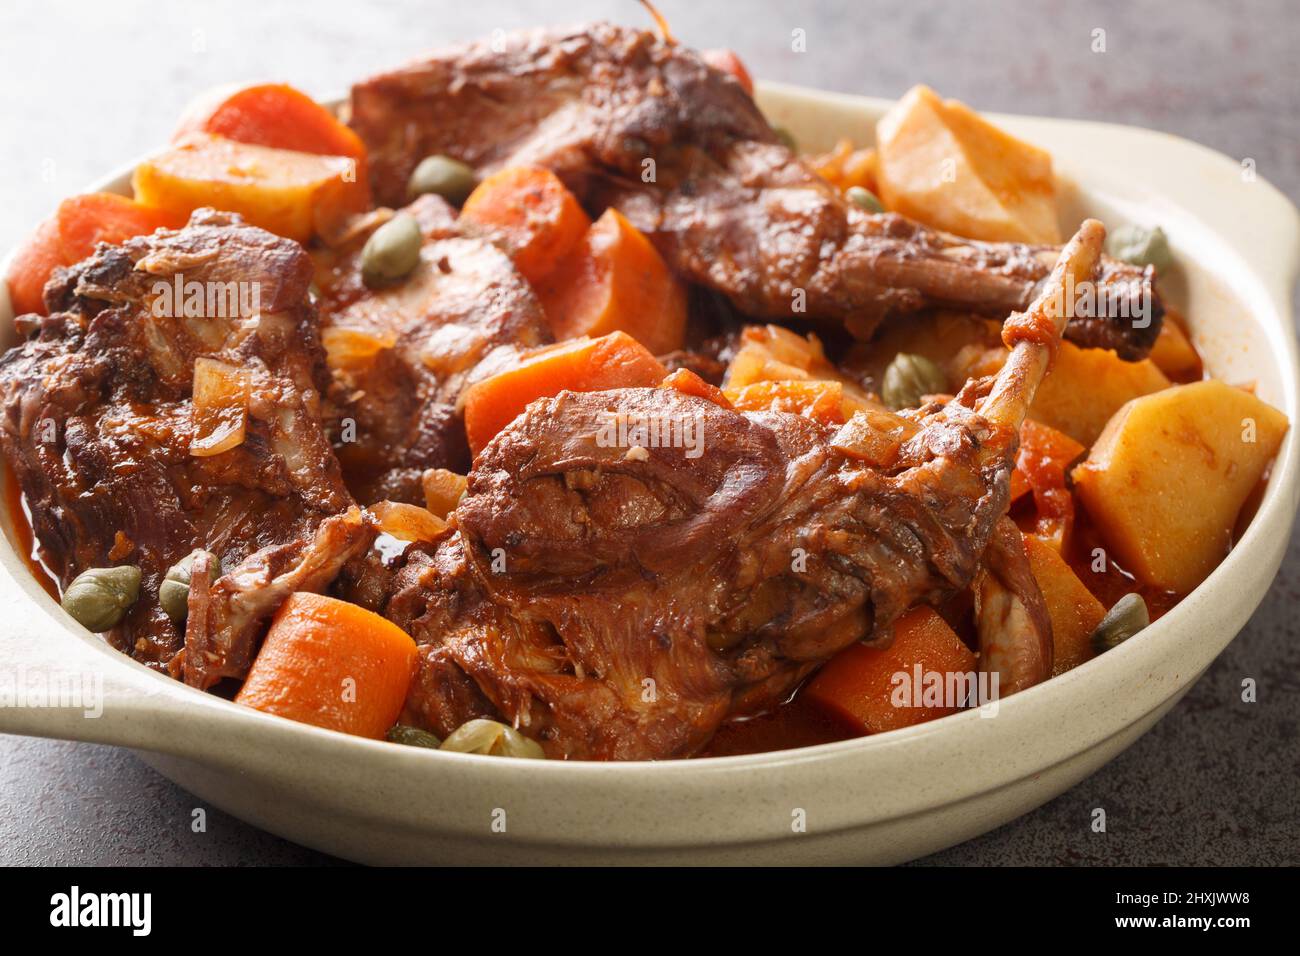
1033, 335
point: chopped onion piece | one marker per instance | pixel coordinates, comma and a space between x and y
408, 522
220, 396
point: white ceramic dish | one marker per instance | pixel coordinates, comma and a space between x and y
876, 800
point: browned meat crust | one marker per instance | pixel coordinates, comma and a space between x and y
729, 205
617, 597
99, 418
619, 606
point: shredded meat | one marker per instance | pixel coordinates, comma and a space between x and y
726, 202
99, 419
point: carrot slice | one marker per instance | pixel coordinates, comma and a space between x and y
582, 365
1041, 463
276, 115
86, 221
616, 280
1174, 354
332, 664
864, 685
71, 234
534, 215
32, 266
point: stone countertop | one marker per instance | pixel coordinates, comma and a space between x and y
86, 86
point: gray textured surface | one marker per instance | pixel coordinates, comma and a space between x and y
87, 86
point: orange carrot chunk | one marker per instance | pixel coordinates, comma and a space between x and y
616, 280
276, 115
71, 234
582, 365
1041, 463
533, 214
817, 399
876, 689
32, 266
332, 664
86, 221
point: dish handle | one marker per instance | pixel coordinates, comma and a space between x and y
56, 682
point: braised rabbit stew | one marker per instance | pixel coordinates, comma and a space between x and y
546, 401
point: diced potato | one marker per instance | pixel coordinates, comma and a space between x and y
1085, 387
292, 194
1074, 610
943, 165
1174, 355
1167, 477
874, 437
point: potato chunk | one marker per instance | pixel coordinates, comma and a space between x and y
943, 165
1074, 611
292, 194
1174, 354
1166, 479
1085, 387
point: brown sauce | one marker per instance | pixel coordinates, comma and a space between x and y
1114, 582
799, 723
21, 525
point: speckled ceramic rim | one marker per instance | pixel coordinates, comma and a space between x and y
1248, 238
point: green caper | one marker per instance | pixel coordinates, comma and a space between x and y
863, 198
1126, 618
391, 252
787, 138
412, 737
449, 178
908, 378
98, 597
482, 736
174, 592
1140, 246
